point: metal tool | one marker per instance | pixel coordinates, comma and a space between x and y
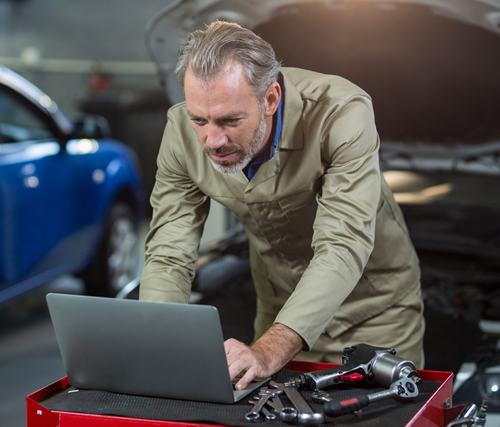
275, 402
268, 415
402, 390
303, 412
288, 414
471, 416
321, 396
254, 415
387, 368
376, 364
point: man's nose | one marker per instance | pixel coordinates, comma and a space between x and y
216, 137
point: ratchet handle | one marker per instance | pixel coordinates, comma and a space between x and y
342, 407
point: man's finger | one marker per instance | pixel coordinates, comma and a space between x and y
246, 379
235, 350
230, 343
239, 366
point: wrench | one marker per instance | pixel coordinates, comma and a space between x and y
320, 396
303, 413
402, 390
254, 415
269, 415
275, 402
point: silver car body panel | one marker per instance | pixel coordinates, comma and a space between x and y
38, 98
167, 30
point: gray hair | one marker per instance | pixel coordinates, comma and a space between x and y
206, 52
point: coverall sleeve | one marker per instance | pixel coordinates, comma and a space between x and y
344, 227
180, 209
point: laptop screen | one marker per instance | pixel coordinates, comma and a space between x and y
143, 348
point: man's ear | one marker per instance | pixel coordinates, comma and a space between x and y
272, 98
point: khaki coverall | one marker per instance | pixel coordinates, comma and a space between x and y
330, 252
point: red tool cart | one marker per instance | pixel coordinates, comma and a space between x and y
434, 412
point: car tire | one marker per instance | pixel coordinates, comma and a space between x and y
117, 259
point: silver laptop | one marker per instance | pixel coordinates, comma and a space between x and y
143, 348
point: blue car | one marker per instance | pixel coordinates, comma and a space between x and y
71, 198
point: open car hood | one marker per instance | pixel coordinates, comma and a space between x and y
432, 67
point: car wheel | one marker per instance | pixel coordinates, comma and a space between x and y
116, 262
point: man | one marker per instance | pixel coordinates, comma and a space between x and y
294, 154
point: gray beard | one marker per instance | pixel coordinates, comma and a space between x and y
248, 155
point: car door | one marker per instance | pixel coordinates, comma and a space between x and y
36, 195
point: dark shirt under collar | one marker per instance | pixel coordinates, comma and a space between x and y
268, 154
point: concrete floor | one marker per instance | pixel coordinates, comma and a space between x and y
29, 355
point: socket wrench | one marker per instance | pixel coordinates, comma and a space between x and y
402, 390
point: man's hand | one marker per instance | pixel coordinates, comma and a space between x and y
273, 350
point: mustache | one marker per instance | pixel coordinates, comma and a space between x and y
221, 151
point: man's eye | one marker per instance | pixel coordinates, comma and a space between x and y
231, 122
198, 122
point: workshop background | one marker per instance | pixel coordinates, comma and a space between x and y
56, 44
73, 49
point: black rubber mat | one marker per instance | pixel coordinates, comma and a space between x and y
382, 413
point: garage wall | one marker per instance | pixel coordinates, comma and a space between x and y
68, 35
56, 43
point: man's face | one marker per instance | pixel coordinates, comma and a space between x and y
230, 122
